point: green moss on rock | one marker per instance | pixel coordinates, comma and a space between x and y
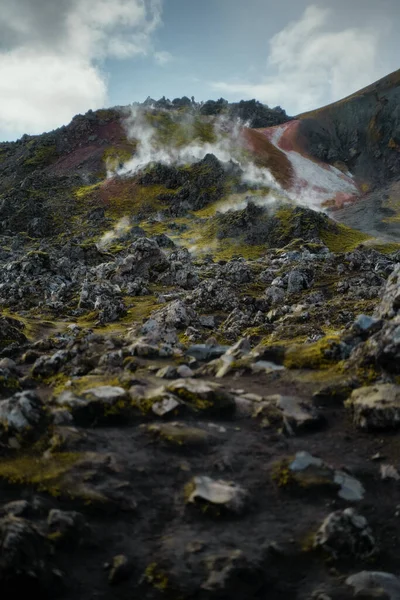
317, 355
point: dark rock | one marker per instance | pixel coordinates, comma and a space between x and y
67, 527
23, 557
120, 569
205, 397
22, 418
204, 352
96, 404
346, 534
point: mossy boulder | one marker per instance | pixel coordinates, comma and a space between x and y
376, 407
11, 332
95, 405
274, 227
203, 396
317, 355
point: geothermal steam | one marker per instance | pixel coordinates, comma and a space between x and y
228, 146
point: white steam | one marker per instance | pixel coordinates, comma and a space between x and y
120, 229
180, 143
228, 147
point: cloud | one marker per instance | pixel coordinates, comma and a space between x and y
51, 53
162, 58
310, 65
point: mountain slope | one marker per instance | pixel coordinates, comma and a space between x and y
362, 130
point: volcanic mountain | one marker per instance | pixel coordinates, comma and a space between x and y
200, 353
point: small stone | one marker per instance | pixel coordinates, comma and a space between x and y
207, 321
377, 456
185, 372
309, 470
376, 584
217, 492
345, 534
120, 569
180, 434
18, 508
67, 526
350, 488
205, 352
144, 350
296, 412
203, 396
168, 372
297, 282
389, 472
365, 324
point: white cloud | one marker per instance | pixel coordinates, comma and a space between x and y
310, 65
46, 77
41, 92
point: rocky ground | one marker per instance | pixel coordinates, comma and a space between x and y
194, 402
228, 431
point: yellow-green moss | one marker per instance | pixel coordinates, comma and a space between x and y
10, 384
203, 130
45, 474
142, 308
86, 190
193, 399
167, 130
281, 473
114, 156
119, 408
311, 356
156, 577
57, 383
345, 240
138, 200
387, 248
42, 157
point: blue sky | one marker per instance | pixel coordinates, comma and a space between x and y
62, 58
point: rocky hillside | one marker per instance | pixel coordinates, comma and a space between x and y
363, 132
199, 369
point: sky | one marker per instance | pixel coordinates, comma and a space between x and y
59, 58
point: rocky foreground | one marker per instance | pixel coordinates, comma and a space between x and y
199, 428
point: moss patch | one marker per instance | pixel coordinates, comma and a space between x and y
156, 577
344, 239
319, 355
42, 157
45, 474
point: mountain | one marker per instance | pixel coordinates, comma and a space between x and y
363, 132
199, 356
